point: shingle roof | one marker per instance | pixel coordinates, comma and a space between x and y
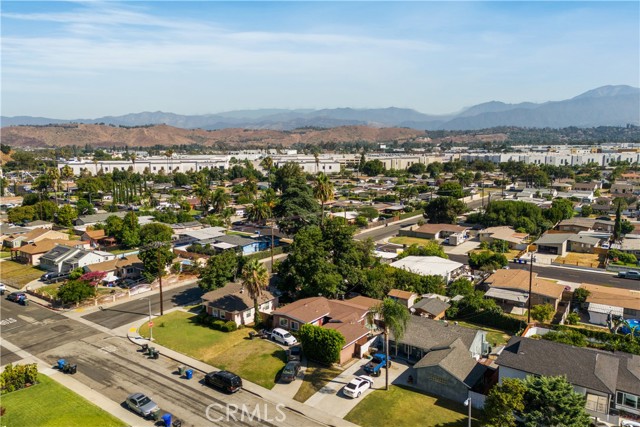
309, 309
553, 238
456, 360
397, 293
519, 279
230, 298
436, 228
351, 331
45, 245
433, 306
616, 297
594, 369
431, 334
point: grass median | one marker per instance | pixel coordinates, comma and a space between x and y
257, 360
52, 405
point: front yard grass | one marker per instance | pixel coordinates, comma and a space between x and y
404, 240
49, 404
585, 260
5, 254
315, 377
256, 360
401, 406
16, 274
495, 337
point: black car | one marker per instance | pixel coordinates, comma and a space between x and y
17, 296
290, 372
224, 380
294, 353
54, 277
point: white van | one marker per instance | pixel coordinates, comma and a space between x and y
283, 337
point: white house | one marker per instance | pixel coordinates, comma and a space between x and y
430, 266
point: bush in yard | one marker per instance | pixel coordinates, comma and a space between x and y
542, 312
16, 377
320, 344
229, 326
573, 319
75, 291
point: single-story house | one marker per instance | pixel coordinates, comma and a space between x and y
622, 189
576, 224
94, 237
129, 267
406, 298
603, 300
433, 231
445, 356
47, 225
516, 241
96, 218
66, 258
195, 236
31, 254
630, 246
432, 307
183, 227
553, 243
582, 243
587, 186
609, 381
430, 266
510, 288
234, 303
32, 236
349, 317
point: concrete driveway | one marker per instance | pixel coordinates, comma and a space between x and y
463, 248
331, 399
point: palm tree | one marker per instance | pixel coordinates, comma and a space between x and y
168, 154
66, 173
202, 191
255, 278
323, 190
54, 178
395, 317
267, 164
133, 157
220, 200
259, 212
226, 215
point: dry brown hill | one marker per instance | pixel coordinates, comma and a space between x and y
108, 136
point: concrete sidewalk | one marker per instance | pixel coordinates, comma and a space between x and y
318, 415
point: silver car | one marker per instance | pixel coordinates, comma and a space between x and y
142, 404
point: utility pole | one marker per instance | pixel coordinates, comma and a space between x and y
272, 225
160, 271
530, 285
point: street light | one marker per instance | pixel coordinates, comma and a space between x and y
468, 403
150, 322
533, 258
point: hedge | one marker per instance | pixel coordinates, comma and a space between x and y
320, 344
603, 340
217, 324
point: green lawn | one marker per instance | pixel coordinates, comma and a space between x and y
49, 404
495, 337
5, 254
404, 240
121, 251
400, 406
51, 290
315, 377
15, 274
257, 360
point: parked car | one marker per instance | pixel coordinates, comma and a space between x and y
629, 274
357, 386
54, 277
283, 337
290, 372
224, 380
142, 405
375, 365
294, 353
3, 288
17, 296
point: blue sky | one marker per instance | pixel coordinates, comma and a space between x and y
85, 60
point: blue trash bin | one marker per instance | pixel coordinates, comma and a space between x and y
167, 420
61, 363
189, 373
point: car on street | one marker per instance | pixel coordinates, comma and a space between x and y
357, 386
3, 288
283, 337
294, 353
224, 380
142, 405
290, 372
17, 296
629, 274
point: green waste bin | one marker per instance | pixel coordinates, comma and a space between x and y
181, 370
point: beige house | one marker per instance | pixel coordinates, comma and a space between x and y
406, 298
31, 253
510, 288
603, 300
33, 236
516, 241
234, 303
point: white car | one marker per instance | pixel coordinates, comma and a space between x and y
283, 337
3, 288
357, 386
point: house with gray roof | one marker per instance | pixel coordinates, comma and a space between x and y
609, 381
96, 218
582, 243
445, 356
66, 258
432, 308
553, 243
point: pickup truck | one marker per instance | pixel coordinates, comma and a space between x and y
629, 274
375, 365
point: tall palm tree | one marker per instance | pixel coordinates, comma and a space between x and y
54, 179
267, 164
259, 212
395, 317
323, 190
168, 154
133, 157
255, 278
202, 191
220, 200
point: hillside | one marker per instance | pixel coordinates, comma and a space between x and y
148, 136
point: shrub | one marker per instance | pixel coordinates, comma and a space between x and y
16, 377
542, 312
573, 318
323, 345
229, 326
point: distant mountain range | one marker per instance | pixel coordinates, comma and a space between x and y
604, 106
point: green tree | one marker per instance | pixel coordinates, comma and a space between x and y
296, 208
220, 270
435, 169
586, 211
323, 190
220, 200
431, 248
417, 169
255, 278
85, 208
156, 257
444, 210
394, 317
487, 260
21, 214
617, 227
552, 401
321, 344
259, 212
155, 232
373, 167
626, 227
504, 401
542, 312
580, 295
451, 189
75, 291
288, 175
45, 210
66, 215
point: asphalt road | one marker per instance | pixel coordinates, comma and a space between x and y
123, 314
115, 368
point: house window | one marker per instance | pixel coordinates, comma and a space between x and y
221, 314
294, 326
597, 403
284, 322
247, 314
628, 400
